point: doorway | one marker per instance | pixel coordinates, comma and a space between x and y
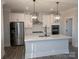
69, 26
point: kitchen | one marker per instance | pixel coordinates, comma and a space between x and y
43, 30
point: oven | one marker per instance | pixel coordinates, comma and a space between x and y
55, 29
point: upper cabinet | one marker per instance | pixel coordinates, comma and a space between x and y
28, 21
56, 21
14, 17
21, 17
47, 20
50, 20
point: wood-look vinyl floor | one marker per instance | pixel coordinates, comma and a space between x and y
17, 52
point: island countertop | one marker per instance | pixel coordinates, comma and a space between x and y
51, 37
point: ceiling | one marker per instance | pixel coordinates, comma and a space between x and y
41, 5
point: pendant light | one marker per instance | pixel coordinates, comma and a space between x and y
57, 13
34, 13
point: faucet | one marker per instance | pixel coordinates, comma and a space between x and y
45, 30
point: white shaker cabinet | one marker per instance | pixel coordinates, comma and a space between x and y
56, 21
14, 17
47, 20
52, 19
28, 21
21, 17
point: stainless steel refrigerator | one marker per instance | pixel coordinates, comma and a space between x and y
17, 33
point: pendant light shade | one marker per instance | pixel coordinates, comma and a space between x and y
57, 16
34, 16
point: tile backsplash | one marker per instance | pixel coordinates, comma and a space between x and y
37, 30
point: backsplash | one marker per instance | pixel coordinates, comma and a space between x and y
37, 30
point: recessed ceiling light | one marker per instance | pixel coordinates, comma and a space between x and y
51, 9
62, 5
27, 8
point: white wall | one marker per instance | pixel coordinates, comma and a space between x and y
71, 13
6, 11
2, 33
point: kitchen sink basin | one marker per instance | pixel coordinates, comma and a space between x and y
44, 36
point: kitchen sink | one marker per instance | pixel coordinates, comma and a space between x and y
44, 36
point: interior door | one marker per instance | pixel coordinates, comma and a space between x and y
69, 26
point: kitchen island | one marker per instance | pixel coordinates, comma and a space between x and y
38, 46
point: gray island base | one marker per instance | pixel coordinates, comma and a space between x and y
36, 46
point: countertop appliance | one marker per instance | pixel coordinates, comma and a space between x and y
55, 29
17, 33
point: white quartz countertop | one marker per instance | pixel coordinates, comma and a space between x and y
51, 37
